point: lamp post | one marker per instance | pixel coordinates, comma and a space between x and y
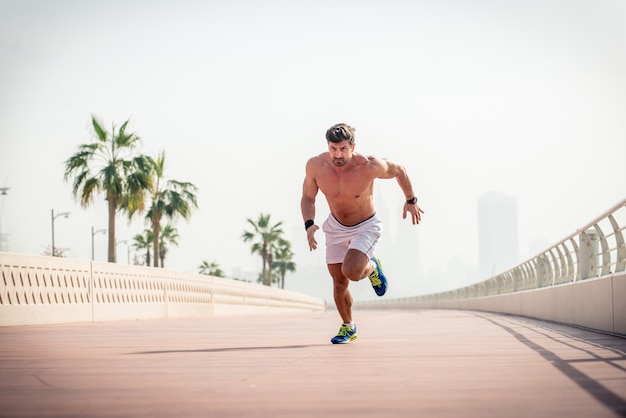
3, 192
124, 241
93, 233
53, 217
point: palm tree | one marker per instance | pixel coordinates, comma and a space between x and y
211, 269
169, 198
266, 235
283, 260
143, 242
110, 165
169, 235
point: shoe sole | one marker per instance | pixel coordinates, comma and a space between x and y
345, 342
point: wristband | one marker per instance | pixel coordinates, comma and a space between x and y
308, 224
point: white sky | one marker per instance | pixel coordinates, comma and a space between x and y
524, 97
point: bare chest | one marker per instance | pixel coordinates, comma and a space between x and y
346, 185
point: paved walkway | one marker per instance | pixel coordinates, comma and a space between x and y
404, 364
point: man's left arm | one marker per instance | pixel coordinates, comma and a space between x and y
397, 171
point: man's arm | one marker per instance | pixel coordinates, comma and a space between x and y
397, 171
307, 203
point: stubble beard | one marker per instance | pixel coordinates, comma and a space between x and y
339, 162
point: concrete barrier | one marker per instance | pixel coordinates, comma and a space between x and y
580, 280
598, 304
45, 290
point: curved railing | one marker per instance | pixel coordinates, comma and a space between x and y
595, 251
40, 290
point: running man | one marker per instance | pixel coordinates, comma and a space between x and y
352, 229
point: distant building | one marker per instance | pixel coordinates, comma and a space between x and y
497, 234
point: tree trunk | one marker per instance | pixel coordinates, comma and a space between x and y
263, 274
162, 256
112, 212
155, 239
270, 261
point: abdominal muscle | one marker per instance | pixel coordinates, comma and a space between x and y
350, 212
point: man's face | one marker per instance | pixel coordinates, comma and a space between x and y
340, 152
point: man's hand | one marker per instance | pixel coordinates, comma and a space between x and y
310, 235
414, 210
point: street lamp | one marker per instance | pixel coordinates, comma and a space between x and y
124, 241
53, 217
93, 233
3, 192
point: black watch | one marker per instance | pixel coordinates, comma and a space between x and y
412, 201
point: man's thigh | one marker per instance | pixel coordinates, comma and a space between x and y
355, 260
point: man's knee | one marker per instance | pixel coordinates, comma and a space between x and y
354, 265
352, 272
340, 281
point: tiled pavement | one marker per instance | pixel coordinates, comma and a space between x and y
404, 364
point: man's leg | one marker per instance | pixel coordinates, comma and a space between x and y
343, 298
356, 266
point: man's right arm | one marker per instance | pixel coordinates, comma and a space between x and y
307, 203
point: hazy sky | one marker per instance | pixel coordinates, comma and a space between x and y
522, 97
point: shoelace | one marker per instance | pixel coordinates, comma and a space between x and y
343, 331
374, 278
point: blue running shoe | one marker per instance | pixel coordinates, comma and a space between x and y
378, 279
345, 335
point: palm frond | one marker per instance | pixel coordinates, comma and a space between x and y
101, 133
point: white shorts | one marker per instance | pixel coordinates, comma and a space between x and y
340, 238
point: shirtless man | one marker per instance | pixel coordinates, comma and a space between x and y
352, 230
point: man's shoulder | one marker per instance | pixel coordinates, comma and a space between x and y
373, 160
318, 159
374, 165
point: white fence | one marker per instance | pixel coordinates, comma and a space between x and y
581, 280
43, 290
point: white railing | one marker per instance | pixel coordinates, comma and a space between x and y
41, 289
594, 253
595, 250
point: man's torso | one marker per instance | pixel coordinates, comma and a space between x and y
349, 190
